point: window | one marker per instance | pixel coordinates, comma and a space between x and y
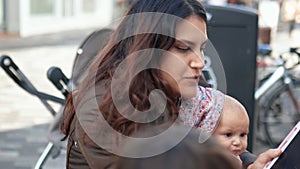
68, 7
42, 7
89, 6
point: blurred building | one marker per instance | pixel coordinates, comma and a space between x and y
31, 17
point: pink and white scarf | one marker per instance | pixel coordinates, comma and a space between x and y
204, 110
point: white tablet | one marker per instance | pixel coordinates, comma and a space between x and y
290, 147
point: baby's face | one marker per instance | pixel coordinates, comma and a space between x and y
232, 131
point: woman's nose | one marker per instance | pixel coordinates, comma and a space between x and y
197, 61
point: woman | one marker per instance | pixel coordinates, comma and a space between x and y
153, 60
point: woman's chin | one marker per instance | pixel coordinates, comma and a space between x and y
189, 92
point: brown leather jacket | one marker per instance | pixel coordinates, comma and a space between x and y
83, 153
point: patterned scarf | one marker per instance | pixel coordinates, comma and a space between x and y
204, 110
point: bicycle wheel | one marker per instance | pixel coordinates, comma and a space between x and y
279, 113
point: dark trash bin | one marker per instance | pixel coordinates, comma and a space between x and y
233, 32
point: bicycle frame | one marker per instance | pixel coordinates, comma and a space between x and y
278, 74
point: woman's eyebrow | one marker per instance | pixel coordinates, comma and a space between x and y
190, 43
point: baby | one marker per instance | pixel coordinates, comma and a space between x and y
233, 127
220, 115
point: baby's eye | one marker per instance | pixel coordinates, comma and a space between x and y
244, 134
228, 134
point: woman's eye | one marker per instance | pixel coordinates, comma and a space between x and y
182, 48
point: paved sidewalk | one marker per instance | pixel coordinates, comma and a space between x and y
24, 121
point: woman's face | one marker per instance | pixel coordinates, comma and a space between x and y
183, 63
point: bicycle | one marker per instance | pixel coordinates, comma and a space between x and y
278, 97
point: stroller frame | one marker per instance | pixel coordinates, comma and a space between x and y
86, 52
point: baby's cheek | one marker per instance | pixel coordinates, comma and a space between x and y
245, 144
221, 139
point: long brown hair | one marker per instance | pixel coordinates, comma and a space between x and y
147, 25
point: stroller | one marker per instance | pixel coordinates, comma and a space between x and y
86, 52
